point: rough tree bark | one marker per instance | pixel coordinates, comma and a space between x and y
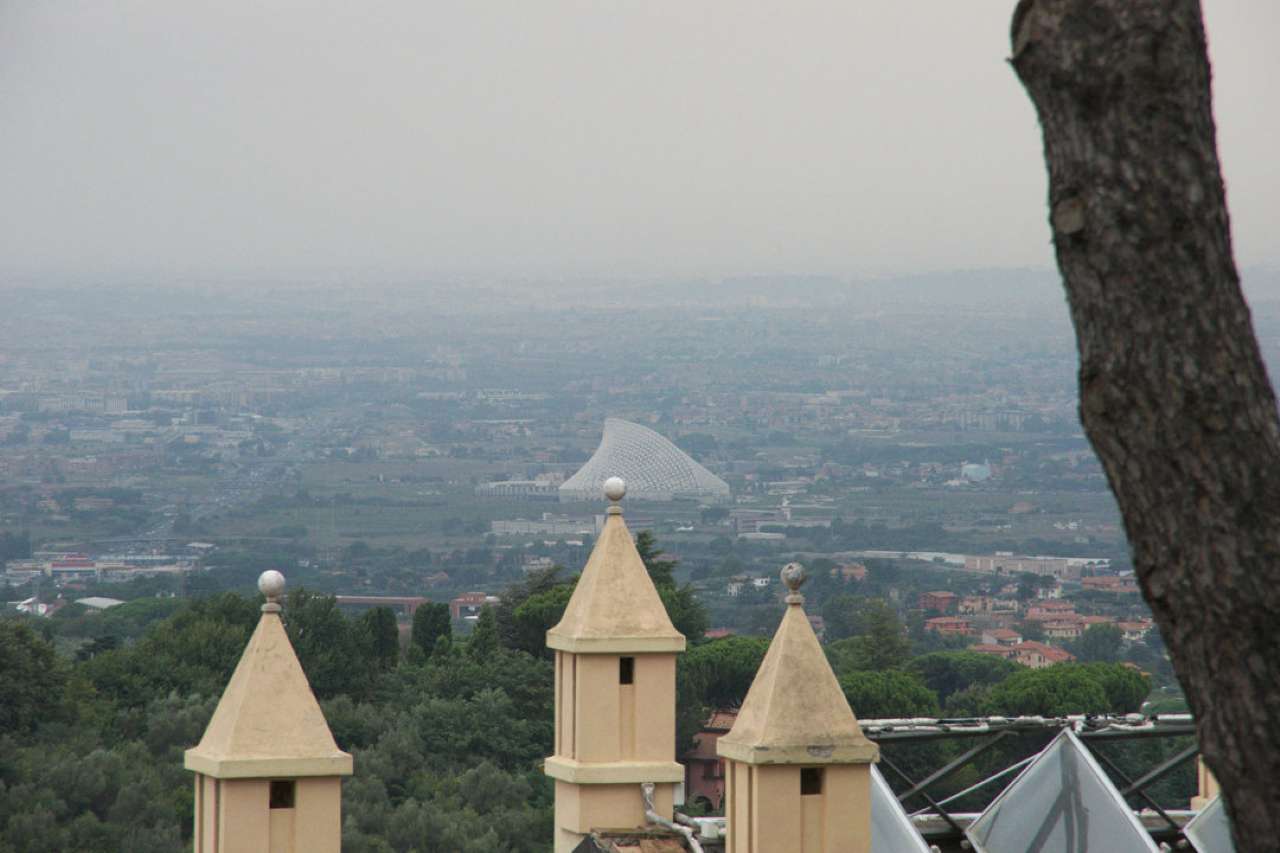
1174, 395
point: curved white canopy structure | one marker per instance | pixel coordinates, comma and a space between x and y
653, 468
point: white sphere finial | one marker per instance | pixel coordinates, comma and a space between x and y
793, 575
271, 584
615, 488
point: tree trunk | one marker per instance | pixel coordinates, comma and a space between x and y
1174, 395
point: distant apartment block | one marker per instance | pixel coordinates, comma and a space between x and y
1026, 653
850, 572
469, 604
527, 489
949, 626
938, 601
983, 604
1011, 564
548, 525
1110, 583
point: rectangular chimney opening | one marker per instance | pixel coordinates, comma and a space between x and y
626, 670
282, 793
810, 781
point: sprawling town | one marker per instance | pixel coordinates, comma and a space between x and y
427, 466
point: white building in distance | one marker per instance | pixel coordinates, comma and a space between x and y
653, 468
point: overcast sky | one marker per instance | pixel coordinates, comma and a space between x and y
548, 137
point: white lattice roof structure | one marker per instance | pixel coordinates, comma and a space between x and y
653, 467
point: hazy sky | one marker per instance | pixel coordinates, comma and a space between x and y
549, 137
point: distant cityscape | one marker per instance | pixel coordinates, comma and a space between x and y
177, 445
427, 470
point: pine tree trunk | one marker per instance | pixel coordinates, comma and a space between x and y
1174, 395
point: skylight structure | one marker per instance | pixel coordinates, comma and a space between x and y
1062, 802
653, 467
1210, 831
891, 830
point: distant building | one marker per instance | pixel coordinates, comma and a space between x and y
35, 607
951, 626
1110, 583
1044, 593
749, 520
1038, 655
1003, 637
548, 525
527, 489
703, 768
469, 604
653, 467
976, 604
1063, 629
407, 603
99, 603
1045, 611
850, 572
1135, 631
1012, 564
939, 601
532, 563
1027, 653
995, 650
762, 537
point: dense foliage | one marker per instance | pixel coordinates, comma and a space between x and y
448, 737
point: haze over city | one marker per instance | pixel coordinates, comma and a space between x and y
522, 140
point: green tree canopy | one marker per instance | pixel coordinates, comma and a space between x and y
686, 612
894, 693
32, 681
880, 644
483, 643
1103, 643
192, 652
431, 621
536, 615
1126, 687
527, 631
1053, 691
661, 570
720, 672
843, 616
946, 673
379, 637
325, 642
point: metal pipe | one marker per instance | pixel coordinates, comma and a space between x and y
983, 783
1100, 726
651, 815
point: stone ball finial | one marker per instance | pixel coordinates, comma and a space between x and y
794, 577
271, 584
615, 488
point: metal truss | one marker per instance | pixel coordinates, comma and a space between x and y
990, 731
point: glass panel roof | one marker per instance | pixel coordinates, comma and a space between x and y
1208, 832
652, 466
1061, 803
891, 829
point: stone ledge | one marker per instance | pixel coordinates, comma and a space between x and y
612, 772
614, 645
339, 764
855, 753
